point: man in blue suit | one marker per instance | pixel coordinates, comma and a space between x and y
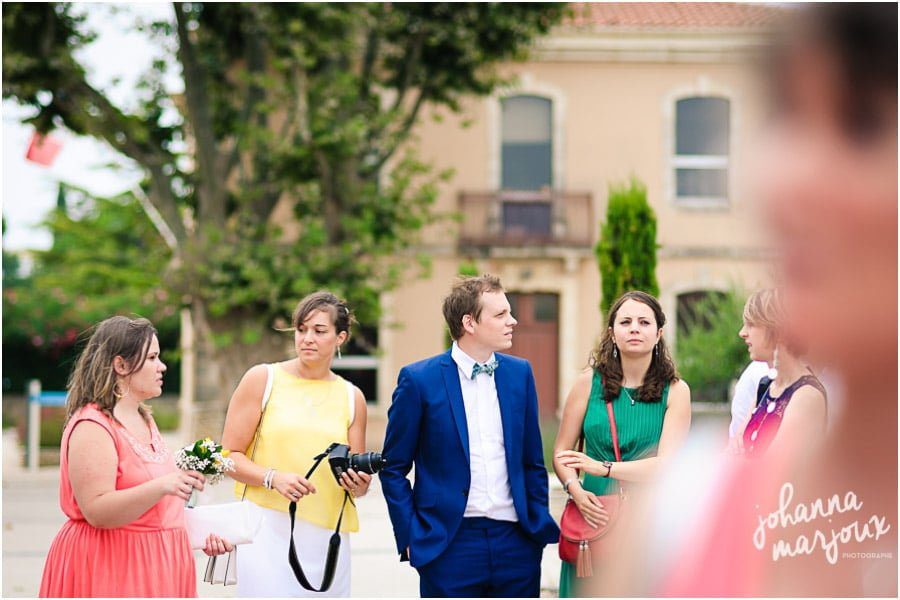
476, 520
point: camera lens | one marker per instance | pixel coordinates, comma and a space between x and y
369, 462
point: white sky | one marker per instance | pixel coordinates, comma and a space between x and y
29, 189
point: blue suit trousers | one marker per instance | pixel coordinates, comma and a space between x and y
485, 559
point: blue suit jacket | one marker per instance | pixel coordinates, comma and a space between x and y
427, 427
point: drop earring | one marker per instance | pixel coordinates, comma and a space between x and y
773, 372
615, 351
656, 349
339, 352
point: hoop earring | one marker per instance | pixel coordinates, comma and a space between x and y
118, 394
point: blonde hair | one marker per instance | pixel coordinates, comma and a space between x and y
764, 309
94, 380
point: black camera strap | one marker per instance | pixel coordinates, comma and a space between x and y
334, 544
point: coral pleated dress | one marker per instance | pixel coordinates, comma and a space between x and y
149, 557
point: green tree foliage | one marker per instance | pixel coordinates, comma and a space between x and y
626, 252
107, 261
710, 354
306, 105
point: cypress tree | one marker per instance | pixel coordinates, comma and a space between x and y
626, 251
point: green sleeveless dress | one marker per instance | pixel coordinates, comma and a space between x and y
639, 426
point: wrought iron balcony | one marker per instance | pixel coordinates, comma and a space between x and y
540, 218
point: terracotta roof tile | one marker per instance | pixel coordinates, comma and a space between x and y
673, 14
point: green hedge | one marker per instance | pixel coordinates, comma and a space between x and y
709, 353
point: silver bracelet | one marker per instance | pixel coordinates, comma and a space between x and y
568, 483
267, 480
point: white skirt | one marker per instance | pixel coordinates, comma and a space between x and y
263, 569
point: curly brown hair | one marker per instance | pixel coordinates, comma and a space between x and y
603, 360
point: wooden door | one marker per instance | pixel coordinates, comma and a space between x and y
536, 339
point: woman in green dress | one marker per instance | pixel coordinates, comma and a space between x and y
652, 408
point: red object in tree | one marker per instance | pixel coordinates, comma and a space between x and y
43, 149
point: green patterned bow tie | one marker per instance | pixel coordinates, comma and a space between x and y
487, 368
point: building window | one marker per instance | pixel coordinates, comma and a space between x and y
527, 151
702, 136
359, 363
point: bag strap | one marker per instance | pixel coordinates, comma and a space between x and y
761, 388
351, 400
615, 439
334, 544
270, 376
230, 577
614, 431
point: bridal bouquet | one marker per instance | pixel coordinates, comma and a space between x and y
207, 457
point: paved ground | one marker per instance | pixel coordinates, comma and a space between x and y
31, 517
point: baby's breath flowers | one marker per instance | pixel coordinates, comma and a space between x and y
207, 457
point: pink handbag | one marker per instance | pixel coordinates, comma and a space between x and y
579, 542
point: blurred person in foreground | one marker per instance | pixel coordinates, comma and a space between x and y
816, 521
119, 486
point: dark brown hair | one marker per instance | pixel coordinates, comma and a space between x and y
465, 299
341, 315
662, 368
94, 380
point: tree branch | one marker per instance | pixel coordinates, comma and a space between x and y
371, 52
411, 59
401, 134
211, 191
118, 130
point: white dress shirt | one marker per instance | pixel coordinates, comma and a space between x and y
744, 400
489, 493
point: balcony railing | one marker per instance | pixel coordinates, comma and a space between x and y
543, 218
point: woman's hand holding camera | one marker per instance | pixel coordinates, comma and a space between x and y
355, 482
589, 505
292, 486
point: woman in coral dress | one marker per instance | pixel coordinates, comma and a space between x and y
119, 486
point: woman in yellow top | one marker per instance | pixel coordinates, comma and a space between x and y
307, 407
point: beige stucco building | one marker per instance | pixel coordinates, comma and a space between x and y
667, 93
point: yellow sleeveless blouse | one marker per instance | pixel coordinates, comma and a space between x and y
302, 418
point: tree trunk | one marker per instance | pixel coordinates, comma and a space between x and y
218, 367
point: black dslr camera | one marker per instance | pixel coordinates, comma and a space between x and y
340, 459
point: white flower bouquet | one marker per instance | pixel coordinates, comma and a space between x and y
207, 457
